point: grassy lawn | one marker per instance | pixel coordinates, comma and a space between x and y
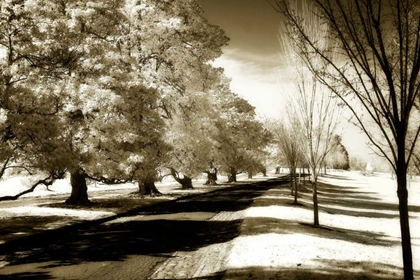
359, 237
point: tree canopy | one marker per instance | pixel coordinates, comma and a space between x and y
115, 91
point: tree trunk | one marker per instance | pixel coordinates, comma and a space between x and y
315, 199
296, 189
404, 215
264, 172
303, 174
78, 194
211, 176
211, 179
232, 175
186, 182
147, 187
249, 174
292, 180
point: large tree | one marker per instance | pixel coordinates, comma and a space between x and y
372, 64
29, 99
173, 54
77, 101
110, 67
241, 138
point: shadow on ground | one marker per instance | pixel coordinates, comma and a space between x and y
115, 241
332, 197
350, 197
27, 276
261, 225
339, 270
335, 200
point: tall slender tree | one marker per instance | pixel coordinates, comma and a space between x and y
284, 136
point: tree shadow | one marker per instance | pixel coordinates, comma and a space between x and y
27, 276
338, 177
14, 228
94, 241
114, 242
349, 197
329, 205
260, 225
328, 270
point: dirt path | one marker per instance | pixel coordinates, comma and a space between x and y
174, 240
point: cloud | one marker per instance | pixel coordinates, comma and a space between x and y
264, 79
255, 78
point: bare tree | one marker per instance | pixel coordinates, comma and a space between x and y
312, 103
371, 62
284, 136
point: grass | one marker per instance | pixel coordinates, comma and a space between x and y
44, 209
359, 236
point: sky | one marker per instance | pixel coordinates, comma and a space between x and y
252, 59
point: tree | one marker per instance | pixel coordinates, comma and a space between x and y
241, 138
338, 157
29, 100
284, 134
173, 53
191, 135
113, 71
357, 163
372, 64
312, 103
76, 102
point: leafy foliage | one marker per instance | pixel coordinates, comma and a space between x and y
338, 157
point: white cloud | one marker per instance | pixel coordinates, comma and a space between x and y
254, 78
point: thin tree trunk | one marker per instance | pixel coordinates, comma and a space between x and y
315, 199
292, 180
78, 194
304, 177
296, 190
404, 217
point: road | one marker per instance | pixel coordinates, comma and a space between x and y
176, 239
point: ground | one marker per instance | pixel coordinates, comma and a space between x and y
236, 235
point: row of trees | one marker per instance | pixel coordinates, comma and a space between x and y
367, 54
118, 91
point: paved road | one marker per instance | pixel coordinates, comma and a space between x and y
180, 239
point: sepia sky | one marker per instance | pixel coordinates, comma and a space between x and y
253, 61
